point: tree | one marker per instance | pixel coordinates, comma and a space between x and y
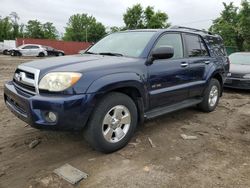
14, 18
114, 29
49, 31
134, 17
155, 19
5, 29
82, 27
138, 18
35, 29
244, 23
233, 25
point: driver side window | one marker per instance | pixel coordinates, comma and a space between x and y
173, 40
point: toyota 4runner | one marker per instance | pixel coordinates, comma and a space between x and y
119, 82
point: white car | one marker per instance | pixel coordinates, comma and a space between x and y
29, 50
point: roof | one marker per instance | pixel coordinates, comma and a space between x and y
179, 29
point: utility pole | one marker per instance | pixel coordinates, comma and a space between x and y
86, 32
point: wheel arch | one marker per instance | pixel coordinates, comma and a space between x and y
219, 77
127, 83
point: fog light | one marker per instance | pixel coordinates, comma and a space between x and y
50, 117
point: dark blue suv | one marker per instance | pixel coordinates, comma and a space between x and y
119, 82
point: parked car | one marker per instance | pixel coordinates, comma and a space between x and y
239, 76
119, 82
53, 52
29, 50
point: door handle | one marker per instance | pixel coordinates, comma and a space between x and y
206, 62
184, 64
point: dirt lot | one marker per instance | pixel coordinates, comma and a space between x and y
220, 157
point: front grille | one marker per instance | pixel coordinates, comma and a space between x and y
20, 85
28, 74
25, 79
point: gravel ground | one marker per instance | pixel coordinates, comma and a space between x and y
219, 157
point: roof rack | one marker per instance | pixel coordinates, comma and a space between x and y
192, 29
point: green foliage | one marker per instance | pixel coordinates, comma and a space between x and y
155, 19
82, 27
115, 29
49, 31
233, 25
244, 23
5, 29
138, 18
35, 29
134, 17
10, 29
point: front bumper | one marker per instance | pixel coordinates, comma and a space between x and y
72, 110
237, 83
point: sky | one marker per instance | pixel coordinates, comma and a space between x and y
190, 13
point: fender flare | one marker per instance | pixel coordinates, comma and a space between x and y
115, 81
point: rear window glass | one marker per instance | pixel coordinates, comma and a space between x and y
216, 46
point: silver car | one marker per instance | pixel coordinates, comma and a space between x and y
239, 76
29, 50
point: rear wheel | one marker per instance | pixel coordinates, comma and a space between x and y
112, 124
5, 52
211, 96
41, 54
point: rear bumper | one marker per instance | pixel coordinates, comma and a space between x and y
237, 83
72, 111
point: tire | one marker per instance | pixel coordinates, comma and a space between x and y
5, 52
100, 123
210, 101
41, 54
60, 54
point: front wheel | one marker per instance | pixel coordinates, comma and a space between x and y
211, 96
112, 124
41, 54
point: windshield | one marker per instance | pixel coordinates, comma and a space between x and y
125, 43
240, 58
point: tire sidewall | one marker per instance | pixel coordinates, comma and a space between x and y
41, 54
97, 121
212, 83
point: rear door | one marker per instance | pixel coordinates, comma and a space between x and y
168, 78
34, 50
199, 60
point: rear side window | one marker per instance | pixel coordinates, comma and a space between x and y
174, 40
195, 46
26, 47
34, 47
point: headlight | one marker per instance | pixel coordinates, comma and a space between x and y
59, 81
247, 76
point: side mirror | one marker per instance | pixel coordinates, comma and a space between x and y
164, 52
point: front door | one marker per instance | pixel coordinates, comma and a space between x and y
169, 78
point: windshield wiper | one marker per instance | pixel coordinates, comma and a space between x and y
110, 53
89, 52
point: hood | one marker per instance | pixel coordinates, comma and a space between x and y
239, 69
78, 63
